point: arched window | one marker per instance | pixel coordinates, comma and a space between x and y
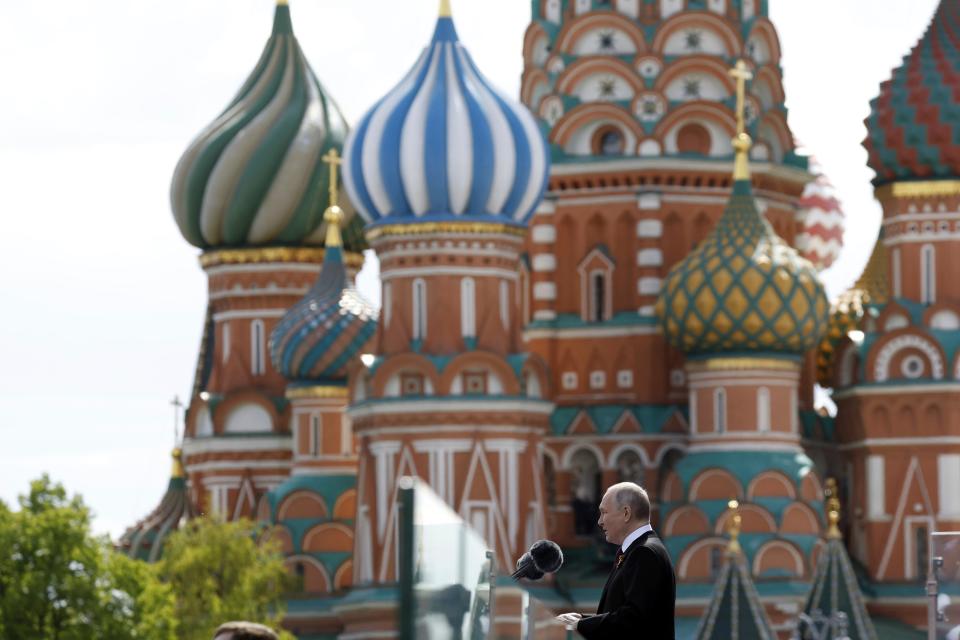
551, 480
257, 349
468, 308
630, 467
923, 554
897, 282
763, 409
585, 487
608, 141
720, 410
387, 303
315, 434
928, 283
505, 303
598, 294
419, 309
225, 333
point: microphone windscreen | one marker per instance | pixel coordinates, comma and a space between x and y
527, 568
546, 555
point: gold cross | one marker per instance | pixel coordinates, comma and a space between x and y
177, 405
333, 160
741, 74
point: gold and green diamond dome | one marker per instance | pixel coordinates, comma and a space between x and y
743, 289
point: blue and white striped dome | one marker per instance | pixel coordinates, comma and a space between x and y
445, 145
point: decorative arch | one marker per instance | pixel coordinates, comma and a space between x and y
665, 449
846, 371
687, 521
774, 125
488, 361
713, 116
810, 488
281, 535
535, 369
571, 34
566, 460
715, 484
754, 519
627, 446
316, 580
695, 560
771, 484
779, 554
696, 64
343, 578
587, 117
532, 79
576, 73
697, 19
883, 354
345, 508
404, 362
326, 537
534, 35
767, 77
764, 29
799, 518
943, 316
255, 406
302, 504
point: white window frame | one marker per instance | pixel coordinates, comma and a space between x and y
468, 307
763, 409
258, 364
419, 309
720, 410
928, 274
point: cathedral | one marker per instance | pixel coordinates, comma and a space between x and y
612, 276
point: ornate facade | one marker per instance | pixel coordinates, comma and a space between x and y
614, 280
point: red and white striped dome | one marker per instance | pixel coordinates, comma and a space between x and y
822, 221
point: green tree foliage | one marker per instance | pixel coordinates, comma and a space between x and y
219, 573
58, 581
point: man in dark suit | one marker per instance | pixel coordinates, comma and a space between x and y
638, 598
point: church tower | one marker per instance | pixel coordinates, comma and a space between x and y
744, 308
447, 172
893, 358
639, 110
249, 192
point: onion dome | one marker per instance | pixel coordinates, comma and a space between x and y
734, 610
145, 539
320, 334
835, 600
445, 145
821, 236
913, 130
255, 176
743, 288
847, 313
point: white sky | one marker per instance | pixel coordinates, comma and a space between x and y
103, 301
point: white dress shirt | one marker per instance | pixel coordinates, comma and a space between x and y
633, 536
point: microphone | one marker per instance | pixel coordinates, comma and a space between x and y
543, 557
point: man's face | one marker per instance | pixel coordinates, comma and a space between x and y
613, 519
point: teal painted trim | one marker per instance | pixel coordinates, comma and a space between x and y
744, 465
491, 400
651, 417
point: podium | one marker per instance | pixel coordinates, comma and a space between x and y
450, 584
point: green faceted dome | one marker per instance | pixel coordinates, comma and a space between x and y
256, 176
743, 289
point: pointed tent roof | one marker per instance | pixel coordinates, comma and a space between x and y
835, 588
735, 611
145, 539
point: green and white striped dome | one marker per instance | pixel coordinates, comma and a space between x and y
255, 176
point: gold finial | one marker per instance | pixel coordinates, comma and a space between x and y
282, 3
742, 141
733, 527
833, 509
334, 214
445, 9
177, 470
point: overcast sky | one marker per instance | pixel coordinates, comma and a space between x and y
103, 301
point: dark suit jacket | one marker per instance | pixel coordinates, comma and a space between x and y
638, 599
